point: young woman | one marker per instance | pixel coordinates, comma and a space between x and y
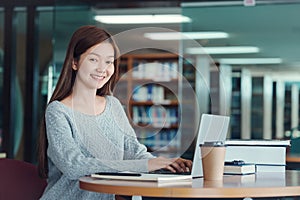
85, 129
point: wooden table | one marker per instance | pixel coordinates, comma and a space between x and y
265, 184
293, 161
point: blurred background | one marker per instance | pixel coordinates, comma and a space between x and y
237, 58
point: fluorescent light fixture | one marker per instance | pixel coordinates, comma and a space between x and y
222, 50
142, 19
185, 35
240, 61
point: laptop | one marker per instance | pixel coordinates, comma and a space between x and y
212, 128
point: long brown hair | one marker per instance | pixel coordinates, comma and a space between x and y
82, 39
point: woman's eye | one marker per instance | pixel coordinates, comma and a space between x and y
93, 60
109, 62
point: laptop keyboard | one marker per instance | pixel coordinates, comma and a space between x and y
165, 171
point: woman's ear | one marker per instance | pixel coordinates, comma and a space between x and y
74, 65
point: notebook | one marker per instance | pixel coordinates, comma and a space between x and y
130, 176
212, 128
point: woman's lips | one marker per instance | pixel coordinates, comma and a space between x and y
97, 77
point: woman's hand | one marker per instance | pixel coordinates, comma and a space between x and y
172, 164
181, 165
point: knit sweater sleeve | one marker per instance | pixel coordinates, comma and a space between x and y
66, 154
133, 149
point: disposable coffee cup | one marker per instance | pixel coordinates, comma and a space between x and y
213, 184
213, 156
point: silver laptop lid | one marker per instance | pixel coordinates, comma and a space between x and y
212, 128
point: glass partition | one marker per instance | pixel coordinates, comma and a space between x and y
1, 71
43, 46
243, 59
45, 49
20, 78
67, 19
19, 60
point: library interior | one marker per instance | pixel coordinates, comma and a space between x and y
179, 59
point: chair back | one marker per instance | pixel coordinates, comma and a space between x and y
20, 180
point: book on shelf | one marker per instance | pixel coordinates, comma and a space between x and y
157, 116
128, 176
149, 92
239, 169
162, 71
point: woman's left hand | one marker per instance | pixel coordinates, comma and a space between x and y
180, 165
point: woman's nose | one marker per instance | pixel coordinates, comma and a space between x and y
101, 67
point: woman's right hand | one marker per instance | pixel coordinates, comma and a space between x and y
172, 164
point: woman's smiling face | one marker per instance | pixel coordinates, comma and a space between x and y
96, 66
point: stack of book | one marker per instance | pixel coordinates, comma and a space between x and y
239, 168
267, 155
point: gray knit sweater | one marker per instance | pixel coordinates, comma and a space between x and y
81, 144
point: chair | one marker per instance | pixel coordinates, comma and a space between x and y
20, 180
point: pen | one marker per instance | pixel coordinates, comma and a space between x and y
119, 174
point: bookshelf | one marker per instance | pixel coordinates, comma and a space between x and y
151, 95
252, 105
257, 115
148, 89
214, 91
236, 105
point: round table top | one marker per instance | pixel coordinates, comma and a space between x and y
262, 184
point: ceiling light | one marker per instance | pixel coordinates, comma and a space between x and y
239, 61
142, 19
185, 35
222, 50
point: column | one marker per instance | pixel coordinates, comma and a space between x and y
280, 90
246, 92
